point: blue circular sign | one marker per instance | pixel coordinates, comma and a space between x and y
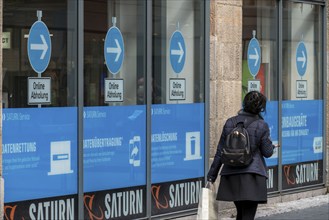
114, 50
177, 51
254, 57
39, 47
301, 58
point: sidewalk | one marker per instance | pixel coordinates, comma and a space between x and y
314, 208
314, 213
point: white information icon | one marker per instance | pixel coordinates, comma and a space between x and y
193, 149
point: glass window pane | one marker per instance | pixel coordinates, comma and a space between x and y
260, 22
17, 67
302, 48
177, 113
115, 108
302, 106
39, 139
177, 52
126, 59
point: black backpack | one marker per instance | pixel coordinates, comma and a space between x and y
237, 151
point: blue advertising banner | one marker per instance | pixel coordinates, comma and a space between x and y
39, 150
302, 132
114, 147
271, 117
177, 142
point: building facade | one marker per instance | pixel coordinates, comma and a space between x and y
274, 21
113, 109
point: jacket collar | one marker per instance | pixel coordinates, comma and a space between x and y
248, 114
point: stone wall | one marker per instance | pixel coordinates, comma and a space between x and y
225, 64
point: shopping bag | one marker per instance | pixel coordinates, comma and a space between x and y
208, 207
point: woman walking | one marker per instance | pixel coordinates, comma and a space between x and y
246, 185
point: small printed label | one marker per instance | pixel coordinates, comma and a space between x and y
39, 90
177, 89
113, 90
6, 40
254, 85
317, 145
301, 89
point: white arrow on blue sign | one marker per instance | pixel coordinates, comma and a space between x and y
301, 58
177, 51
39, 47
254, 56
114, 50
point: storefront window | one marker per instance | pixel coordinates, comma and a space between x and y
260, 68
114, 109
39, 133
177, 113
302, 93
69, 153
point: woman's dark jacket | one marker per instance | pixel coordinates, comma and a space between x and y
259, 137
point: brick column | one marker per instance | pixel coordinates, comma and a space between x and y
225, 65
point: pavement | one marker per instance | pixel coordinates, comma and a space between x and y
314, 208
313, 213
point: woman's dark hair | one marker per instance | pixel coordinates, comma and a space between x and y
254, 102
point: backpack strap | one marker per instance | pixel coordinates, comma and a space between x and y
235, 122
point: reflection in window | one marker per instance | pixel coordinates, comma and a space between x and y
301, 24
186, 17
16, 66
130, 20
260, 18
